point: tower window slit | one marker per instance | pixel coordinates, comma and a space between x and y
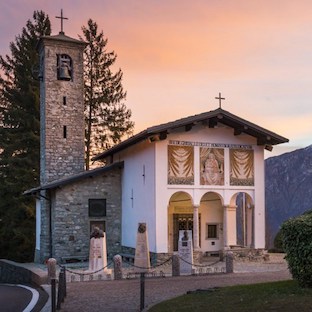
64, 132
64, 100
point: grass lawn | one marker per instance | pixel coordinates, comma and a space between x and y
283, 296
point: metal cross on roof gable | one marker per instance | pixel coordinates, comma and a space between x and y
219, 98
62, 18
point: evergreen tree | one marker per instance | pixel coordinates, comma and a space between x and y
19, 140
107, 119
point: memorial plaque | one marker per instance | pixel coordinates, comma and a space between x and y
98, 254
142, 257
185, 248
97, 208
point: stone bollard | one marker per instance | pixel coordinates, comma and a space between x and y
229, 262
52, 277
175, 265
117, 267
51, 263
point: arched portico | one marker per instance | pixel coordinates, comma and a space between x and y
214, 225
244, 219
180, 217
211, 210
205, 220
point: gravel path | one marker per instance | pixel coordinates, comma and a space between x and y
124, 295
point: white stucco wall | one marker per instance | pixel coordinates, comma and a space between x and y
38, 223
259, 199
138, 192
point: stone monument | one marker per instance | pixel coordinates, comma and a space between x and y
98, 254
185, 250
142, 257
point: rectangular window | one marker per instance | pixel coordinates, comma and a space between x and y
97, 208
212, 231
64, 100
64, 132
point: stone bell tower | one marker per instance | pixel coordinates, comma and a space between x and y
61, 107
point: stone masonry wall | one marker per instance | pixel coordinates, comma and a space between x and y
61, 156
44, 252
71, 222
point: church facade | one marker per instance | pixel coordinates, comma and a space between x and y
203, 173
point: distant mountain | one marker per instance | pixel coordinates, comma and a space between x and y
288, 188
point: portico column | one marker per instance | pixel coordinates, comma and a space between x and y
196, 227
229, 225
225, 231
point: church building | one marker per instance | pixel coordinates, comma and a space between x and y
203, 173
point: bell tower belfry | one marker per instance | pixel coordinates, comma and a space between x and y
61, 107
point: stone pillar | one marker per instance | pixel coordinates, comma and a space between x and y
51, 268
196, 227
117, 267
175, 265
98, 253
142, 256
186, 252
229, 226
250, 226
229, 262
225, 231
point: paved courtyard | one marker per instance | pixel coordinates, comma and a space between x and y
124, 295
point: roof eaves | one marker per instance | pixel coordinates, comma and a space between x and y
153, 130
74, 178
268, 137
124, 144
255, 129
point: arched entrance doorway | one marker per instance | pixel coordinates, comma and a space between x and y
211, 210
244, 220
180, 218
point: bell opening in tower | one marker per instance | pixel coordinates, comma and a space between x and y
64, 67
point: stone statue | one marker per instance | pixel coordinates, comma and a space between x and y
142, 227
211, 174
97, 233
185, 236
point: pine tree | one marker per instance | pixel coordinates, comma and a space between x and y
19, 140
107, 119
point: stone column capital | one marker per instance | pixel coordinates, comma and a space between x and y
230, 207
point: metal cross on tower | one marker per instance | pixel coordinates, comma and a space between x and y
62, 18
219, 98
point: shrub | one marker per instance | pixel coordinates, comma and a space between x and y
278, 242
297, 243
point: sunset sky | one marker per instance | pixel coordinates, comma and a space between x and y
177, 55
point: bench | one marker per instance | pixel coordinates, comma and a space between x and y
73, 259
127, 257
